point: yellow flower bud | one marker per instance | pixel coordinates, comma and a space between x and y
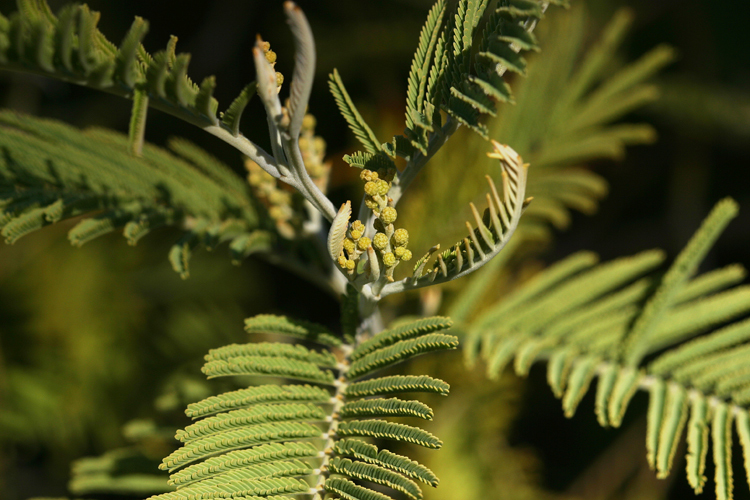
349, 245
371, 204
400, 237
388, 215
407, 255
382, 187
371, 188
308, 122
374, 176
271, 56
341, 261
363, 243
379, 241
365, 175
358, 226
350, 264
399, 252
279, 79
356, 234
319, 144
389, 259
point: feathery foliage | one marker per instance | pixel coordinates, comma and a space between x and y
271, 439
633, 329
51, 172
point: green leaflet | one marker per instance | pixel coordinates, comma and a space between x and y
281, 325
259, 414
673, 422
384, 458
375, 474
389, 430
266, 488
396, 384
291, 351
410, 330
239, 438
350, 491
721, 433
357, 124
243, 398
386, 408
242, 459
401, 351
274, 366
697, 442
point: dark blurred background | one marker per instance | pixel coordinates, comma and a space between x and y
92, 338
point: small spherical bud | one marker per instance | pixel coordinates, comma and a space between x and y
358, 226
388, 215
407, 255
374, 176
349, 245
350, 264
266, 46
279, 79
371, 204
342, 261
355, 234
389, 259
365, 175
271, 56
382, 187
319, 145
308, 122
399, 252
277, 213
363, 243
380, 241
400, 237
371, 188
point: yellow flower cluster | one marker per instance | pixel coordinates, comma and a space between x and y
278, 201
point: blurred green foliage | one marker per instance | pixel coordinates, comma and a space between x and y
93, 338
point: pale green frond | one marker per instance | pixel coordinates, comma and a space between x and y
697, 442
721, 435
386, 408
384, 458
350, 491
377, 475
388, 430
281, 325
397, 384
243, 398
291, 351
407, 331
583, 318
239, 438
639, 338
247, 490
71, 48
243, 459
273, 366
400, 351
51, 172
357, 124
260, 414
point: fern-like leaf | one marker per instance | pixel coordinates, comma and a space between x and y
276, 440
51, 172
602, 321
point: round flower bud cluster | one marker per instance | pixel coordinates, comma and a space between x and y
377, 185
278, 201
355, 245
313, 150
271, 58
